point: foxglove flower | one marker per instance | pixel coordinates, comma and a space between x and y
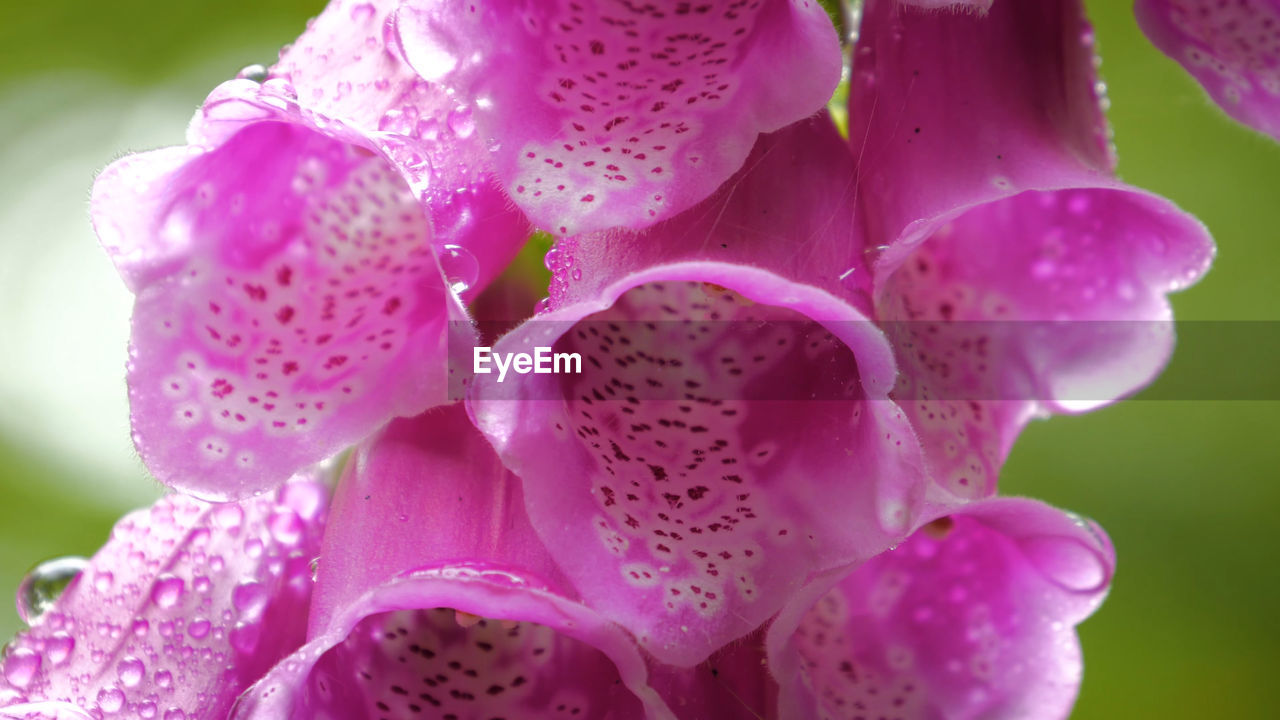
1014, 274
185, 606
973, 617
623, 114
730, 432
435, 598
1003, 297
289, 294
1230, 48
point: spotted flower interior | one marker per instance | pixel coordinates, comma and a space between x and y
443, 663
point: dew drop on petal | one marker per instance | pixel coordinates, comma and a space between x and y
167, 591
58, 647
228, 516
249, 597
199, 628
460, 267
21, 666
285, 526
255, 72
130, 671
461, 123
244, 636
110, 699
42, 586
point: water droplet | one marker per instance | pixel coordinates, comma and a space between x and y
435, 57
285, 526
21, 666
58, 647
42, 587
174, 714
461, 123
362, 13
228, 517
102, 580
199, 628
460, 267
244, 636
254, 72
167, 591
543, 306
164, 679
249, 597
130, 671
428, 129
307, 499
110, 699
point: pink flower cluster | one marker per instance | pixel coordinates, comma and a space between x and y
769, 488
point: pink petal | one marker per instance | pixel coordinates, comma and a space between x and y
185, 606
1017, 276
730, 433
973, 617
343, 67
435, 597
622, 115
289, 300
1231, 48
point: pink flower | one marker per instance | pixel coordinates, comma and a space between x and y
972, 617
841, 341
287, 261
185, 606
623, 114
1231, 48
435, 597
770, 490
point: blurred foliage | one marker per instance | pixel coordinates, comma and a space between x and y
1186, 489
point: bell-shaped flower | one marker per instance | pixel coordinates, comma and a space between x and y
1231, 48
623, 114
289, 294
185, 606
729, 432
972, 617
435, 599
1014, 274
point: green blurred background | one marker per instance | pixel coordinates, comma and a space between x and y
1187, 489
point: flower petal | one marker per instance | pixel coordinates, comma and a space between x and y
622, 115
728, 433
288, 297
435, 596
1231, 48
951, 110
185, 606
973, 617
343, 67
1016, 275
